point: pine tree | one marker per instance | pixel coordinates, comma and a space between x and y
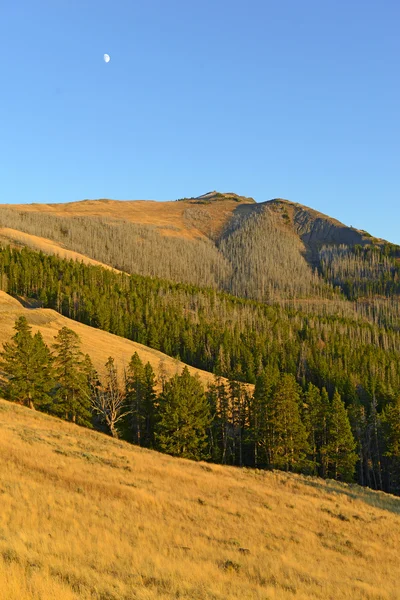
27, 364
73, 390
323, 442
316, 414
149, 405
141, 396
391, 423
44, 378
183, 417
288, 443
222, 429
261, 415
214, 435
340, 449
135, 396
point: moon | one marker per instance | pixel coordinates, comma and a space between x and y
107, 58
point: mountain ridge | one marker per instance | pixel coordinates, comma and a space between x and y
272, 251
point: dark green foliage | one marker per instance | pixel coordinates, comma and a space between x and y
286, 439
339, 451
72, 396
184, 418
240, 339
211, 330
141, 397
27, 364
391, 424
316, 411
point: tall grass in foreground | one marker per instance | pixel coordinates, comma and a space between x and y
84, 516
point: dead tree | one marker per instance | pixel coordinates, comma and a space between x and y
110, 401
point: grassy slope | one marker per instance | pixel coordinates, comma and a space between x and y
84, 516
95, 342
170, 218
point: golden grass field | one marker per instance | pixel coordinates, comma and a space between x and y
83, 516
169, 217
95, 342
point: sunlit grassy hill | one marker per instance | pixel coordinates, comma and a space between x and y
84, 516
95, 342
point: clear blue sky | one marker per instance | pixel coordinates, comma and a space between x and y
293, 99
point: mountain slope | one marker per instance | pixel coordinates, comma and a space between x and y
95, 342
274, 252
84, 516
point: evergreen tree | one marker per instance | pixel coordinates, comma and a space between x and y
214, 431
340, 449
141, 396
222, 422
44, 379
391, 424
323, 428
288, 435
73, 390
183, 417
316, 413
27, 364
149, 405
134, 396
260, 415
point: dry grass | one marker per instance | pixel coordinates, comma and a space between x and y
95, 342
84, 516
169, 217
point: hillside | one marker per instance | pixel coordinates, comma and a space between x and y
177, 219
95, 342
19, 239
84, 516
275, 252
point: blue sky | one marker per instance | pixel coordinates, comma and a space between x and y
291, 99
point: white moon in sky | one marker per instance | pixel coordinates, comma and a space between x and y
106, 58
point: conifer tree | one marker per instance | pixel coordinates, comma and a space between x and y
288, 442
183, 417
149, 405
141, 396
27, 364
44, 379
222, 421
391, 424
134, 396
323, 442
340, 449
72, 398
260, 416
316, 414
214, 436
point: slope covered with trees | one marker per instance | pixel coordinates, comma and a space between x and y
227, 424
282, 351
273, 252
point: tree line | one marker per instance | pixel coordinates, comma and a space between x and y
234, 338
279, 426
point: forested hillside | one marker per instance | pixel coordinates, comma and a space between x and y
326, 372
274, 252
